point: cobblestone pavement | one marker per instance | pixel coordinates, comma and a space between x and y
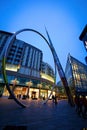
39, 116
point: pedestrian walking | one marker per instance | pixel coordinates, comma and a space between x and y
85, 107
79, 104
53, 98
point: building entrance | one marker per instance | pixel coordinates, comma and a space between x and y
33, 95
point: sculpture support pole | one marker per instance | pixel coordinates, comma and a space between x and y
61, 72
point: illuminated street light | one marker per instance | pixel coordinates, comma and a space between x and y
29, 84
14, 82
39, 86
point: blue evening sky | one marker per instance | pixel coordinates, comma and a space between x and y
64, 20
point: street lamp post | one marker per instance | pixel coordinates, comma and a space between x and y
39, 86
14, 82
29, 84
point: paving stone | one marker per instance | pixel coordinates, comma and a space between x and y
39, 116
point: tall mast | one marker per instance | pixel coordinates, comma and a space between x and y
60, 71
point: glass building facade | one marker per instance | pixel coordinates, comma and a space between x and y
24, 65
47, 71
76, 74
83, 38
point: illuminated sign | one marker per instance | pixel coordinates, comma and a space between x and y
12, 67
45, 76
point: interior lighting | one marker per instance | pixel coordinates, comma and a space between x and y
86, 44
0, 80
45, 76
11, 67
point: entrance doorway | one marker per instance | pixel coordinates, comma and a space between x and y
33, 95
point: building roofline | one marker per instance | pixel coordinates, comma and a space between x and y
78, 61
6, 32
83, 33
9, 33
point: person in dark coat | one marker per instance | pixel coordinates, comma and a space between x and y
85, 106
53, 98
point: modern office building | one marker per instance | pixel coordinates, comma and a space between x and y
83, 37
61, 91
47, 71
76, 74
25, 68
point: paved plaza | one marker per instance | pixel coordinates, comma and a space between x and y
39, 116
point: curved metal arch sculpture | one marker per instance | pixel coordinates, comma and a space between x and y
56, 61
4, 62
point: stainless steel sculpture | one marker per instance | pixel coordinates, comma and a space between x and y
56, 60
61, 72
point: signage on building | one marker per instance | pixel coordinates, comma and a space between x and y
12, 67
